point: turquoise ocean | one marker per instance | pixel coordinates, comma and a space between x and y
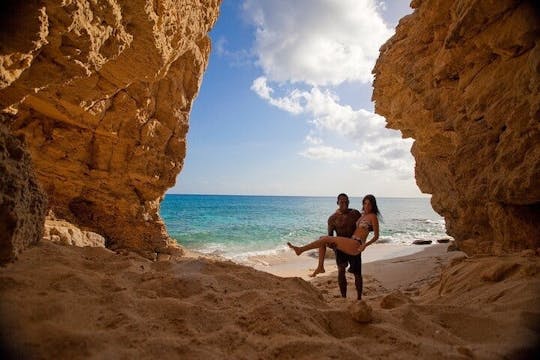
237, 226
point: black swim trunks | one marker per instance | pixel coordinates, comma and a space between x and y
355, 261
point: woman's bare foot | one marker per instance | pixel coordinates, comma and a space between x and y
317, 271
295, 248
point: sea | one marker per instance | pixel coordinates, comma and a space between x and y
237, 227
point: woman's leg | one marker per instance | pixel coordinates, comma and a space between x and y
320, 266
322, 242
347, 245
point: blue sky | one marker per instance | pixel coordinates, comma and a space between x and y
285, 104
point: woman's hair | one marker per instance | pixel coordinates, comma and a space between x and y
373, 202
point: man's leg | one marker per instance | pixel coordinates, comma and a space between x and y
359, 283
356, 269
341, 262
342, 280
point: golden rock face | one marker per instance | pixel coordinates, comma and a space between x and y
463, 79
102, 93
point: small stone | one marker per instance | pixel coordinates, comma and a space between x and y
361, 312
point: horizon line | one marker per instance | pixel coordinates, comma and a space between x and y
269, 195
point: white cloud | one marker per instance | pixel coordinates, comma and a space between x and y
330, 115
290, 104
307, 47
327, 113
313, 140
318, 42
378, 148
329, 153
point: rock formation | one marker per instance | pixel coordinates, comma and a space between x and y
22, 203
102, 93
65, 233
463, 79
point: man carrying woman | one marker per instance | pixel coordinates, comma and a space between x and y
351, 246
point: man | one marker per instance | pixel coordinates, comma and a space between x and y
343, 223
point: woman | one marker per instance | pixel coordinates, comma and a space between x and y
369, 221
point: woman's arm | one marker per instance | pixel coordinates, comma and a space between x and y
375, 224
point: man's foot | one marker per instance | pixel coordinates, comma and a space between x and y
317, 271
295, 248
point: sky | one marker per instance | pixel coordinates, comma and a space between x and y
285, 103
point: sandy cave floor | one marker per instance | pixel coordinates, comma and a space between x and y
68, 302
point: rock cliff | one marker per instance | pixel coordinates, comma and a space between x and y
102, 93
463, 79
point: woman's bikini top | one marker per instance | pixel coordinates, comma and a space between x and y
365, 223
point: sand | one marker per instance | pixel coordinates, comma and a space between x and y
68, 302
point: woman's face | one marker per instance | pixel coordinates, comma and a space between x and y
367, 206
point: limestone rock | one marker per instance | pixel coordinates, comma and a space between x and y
463, 79
102, 92
22, 203
63, 232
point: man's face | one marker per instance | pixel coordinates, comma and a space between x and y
343, 202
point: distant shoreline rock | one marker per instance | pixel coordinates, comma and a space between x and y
422, 242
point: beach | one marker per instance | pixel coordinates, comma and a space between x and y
287, 264
61, 301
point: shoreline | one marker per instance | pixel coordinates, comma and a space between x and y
287, 264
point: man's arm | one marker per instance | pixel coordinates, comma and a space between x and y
331, 225
331, 229
357, 215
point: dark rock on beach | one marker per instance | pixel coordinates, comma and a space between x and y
422, 242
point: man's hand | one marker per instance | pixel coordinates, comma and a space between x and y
361, 247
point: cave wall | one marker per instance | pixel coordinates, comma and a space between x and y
102, 91
463, 79
22, 202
